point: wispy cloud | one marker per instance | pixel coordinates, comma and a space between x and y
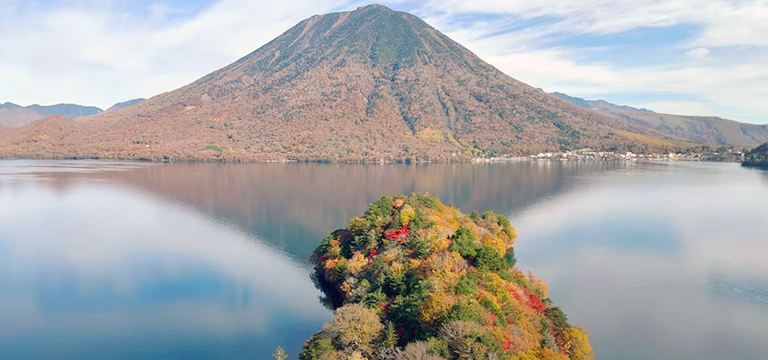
717, 69
705, 57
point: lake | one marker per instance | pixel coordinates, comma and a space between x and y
121, 260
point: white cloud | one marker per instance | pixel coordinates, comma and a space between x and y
708, 81
699, 52
93, 54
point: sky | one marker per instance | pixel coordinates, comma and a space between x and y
692, 57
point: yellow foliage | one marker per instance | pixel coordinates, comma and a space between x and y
538, 354
654, 141
355, 325
440, 245
495, 284
435, 307
538, 285
527, 355
407, 214
446, 220
357, 263
356, 224
414, 263
431, 135
509, 240
513, 231
446, 267
356, 356
577, 341
335, 250
495, 243
397, 268
331, 264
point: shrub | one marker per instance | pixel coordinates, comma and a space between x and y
464, 242
355, 326
489, 259
466, 286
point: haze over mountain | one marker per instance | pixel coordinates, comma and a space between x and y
701, 129
15, 115
369, 84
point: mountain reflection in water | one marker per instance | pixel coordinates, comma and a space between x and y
103, 260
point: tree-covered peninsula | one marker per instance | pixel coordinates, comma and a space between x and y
758, 157
416, 279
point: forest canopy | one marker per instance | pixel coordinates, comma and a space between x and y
757, 157
416, 279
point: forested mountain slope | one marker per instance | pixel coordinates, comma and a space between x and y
367, 85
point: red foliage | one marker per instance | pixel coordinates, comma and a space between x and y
401, 235
372, 253
507, 343
384, 307
531, 299
535, 302
516, 295
559, 340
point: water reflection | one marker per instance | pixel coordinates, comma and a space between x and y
102, 260
294, 206
673, 267
99, 271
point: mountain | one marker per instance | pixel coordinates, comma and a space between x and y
598, 104
366, 85
758, 157
707, 130
70, 111
125, 104
15, 115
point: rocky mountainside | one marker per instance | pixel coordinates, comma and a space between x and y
707, 130
367, 85
16, 115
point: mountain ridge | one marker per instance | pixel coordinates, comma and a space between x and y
702, 129
367, 85
16, 115
125, 104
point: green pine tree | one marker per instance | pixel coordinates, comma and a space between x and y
279, 354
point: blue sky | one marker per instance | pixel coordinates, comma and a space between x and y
694, 57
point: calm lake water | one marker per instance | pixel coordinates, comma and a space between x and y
200, 261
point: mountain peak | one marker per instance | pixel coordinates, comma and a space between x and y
364, 85
376, 7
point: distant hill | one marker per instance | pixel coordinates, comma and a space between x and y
126, 104
707, 130
367, 85
757, 157
15, 115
